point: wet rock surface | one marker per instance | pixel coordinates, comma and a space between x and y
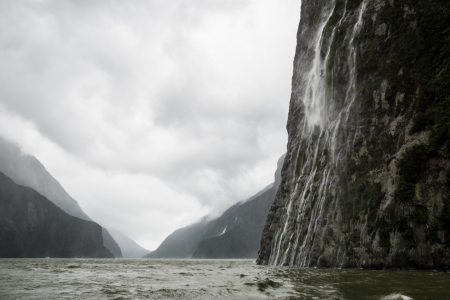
365, 182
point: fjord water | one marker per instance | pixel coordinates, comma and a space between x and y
207, 279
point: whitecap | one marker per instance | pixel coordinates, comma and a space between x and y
396, 297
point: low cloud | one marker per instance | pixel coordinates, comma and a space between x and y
131, 104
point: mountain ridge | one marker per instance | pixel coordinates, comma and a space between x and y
27, 170
130, 249
234, 234
32, 226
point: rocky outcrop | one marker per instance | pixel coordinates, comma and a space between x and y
32, 226
365, 182
235, 234
27, 170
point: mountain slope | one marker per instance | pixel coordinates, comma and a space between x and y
366, 177
130, 249
235, 234
32, 226
241, 235
28, 171
181, 243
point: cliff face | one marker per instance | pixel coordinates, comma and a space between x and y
365, 182
32, 226
235, 234
27, 170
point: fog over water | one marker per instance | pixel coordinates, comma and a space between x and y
208, 279
151, 114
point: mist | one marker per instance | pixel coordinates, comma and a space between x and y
151, 114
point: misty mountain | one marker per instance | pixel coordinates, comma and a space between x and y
182, 242
130, 249
27, 170
235, 234
32, 226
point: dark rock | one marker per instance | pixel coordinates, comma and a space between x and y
32, 226
365, 182
28, 171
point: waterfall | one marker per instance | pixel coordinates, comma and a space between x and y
320, 150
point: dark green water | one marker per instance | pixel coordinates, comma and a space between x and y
207, 279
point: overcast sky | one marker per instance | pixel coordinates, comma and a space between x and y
151, 114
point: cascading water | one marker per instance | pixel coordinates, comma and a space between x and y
363, 185
325, 114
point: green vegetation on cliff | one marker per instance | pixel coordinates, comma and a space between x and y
373, 190
405, 59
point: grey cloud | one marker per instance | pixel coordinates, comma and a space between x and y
194, 93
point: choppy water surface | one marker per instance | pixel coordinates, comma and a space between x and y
207, 279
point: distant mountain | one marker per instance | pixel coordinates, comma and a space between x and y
32, 226
27, 170
181, 243
111, 244
130, 249
235, 234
